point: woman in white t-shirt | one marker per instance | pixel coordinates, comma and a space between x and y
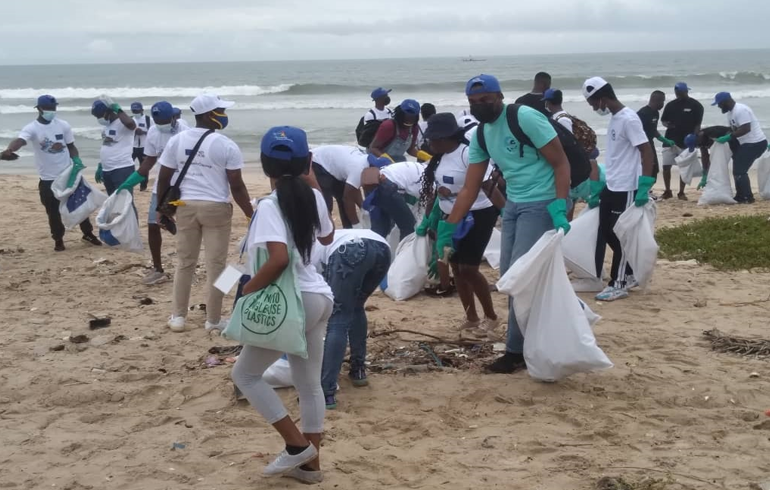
296, 216
443, 179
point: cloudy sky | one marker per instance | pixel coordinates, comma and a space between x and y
92, 31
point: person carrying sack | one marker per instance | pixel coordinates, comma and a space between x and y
280, 242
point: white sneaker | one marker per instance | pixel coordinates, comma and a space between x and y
302, 476
176, 323
217, 326
154, 277
612, 293
631, 282
285, 462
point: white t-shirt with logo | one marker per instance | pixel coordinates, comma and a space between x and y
117, 146
322, 253
269, 226
141, 123
49, 142
623, 160
742, 114
406, 175
206, 179
344, 163
563, 118
376, 114
450, 178
153, 147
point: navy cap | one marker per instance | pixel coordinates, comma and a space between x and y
162, 110
441, 126
721, 97
484, 84
411, 107
136, 107
380, 92
681, 87
98, 108
553, 95
285, 143
46, 100
177, 111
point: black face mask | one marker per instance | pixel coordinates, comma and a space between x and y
485, 113
386, 101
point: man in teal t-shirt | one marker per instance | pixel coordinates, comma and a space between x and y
537, 188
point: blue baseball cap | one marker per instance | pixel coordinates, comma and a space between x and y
484, 84
46, 100
721, 97
411, 107
177, 111
98, 109
136, 107
162, 110
380, 92
285, 143
681, 87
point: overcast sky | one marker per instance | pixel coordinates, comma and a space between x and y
90, 31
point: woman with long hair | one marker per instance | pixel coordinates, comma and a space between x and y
294, 216
397, 137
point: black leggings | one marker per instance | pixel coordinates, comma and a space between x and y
332, 190
613, 204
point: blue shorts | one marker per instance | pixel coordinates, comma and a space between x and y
152, 215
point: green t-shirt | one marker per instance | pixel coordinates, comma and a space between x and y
529, 178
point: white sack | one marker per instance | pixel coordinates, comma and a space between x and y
579, 246
689, 165
636, 231
409, 271
763, 175
78, 202
719, 189
492, 252
278, 375
118, 224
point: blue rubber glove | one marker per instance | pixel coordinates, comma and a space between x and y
132, 181
594, 198
444, 242
643, 192
77, 166
724, 139
558, 211
430, 221
691, 141
703, 180
98, 175
666, 141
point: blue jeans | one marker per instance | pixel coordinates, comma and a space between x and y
523, 225
113, 178
354, 271
743, 159
392, 208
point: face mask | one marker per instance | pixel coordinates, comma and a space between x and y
164, 128
103, 121
48, 115
408, 125
220, 119
603, 112
386, 101
484, 112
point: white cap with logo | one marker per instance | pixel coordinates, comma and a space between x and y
592, 85
208, 102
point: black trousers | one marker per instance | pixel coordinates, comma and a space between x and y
51, 205
332, 190
613, 204
138, 155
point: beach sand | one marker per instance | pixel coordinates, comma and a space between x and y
106, 417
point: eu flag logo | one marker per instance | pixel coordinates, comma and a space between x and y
59, 137
79, 197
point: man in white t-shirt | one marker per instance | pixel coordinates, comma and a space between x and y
54, 147
553, 100
143, 124
206, 213
628, 168
381, 111
745, 128
337, 169
160, 133
116, 154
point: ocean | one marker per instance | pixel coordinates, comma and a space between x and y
327, 98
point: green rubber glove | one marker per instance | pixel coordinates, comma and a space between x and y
410, 199
666, 141
98, 175
703, 180
558, 211
132, 181
643, 192
433, 268
594, 198
430, 221
77, 166
444, 243
725, 138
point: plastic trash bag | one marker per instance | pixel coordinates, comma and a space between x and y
394, 241
279, 374
409, 271
689, 165
763, 175
492, 252
719, 189
78, 202
579, 246
558, 340
118, 224
635, 230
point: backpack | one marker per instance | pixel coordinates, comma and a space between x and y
365, 131
582, 132
580, 165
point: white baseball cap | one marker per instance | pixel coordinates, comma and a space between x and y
592, 85
208, 102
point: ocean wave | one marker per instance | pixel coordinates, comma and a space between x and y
89, 132
141, 92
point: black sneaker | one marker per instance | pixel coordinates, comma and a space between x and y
509, 363
92, 240
59, 246
358, 377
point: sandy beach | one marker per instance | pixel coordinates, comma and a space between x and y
105, 414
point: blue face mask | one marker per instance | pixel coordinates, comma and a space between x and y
48, 115
220, 119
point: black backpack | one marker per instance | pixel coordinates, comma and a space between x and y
365, 131
580, 165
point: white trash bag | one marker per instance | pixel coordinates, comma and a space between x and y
118, 224
719, 189
579, 246
689, 165
763, 175
492, 252
635, 230
78, 202
558, 340
278, 375
409, 271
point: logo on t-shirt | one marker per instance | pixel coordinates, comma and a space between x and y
59, 137
614, 135
512, 145
52, 147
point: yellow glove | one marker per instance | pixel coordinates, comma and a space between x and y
424, 155
388, 157
177, 203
